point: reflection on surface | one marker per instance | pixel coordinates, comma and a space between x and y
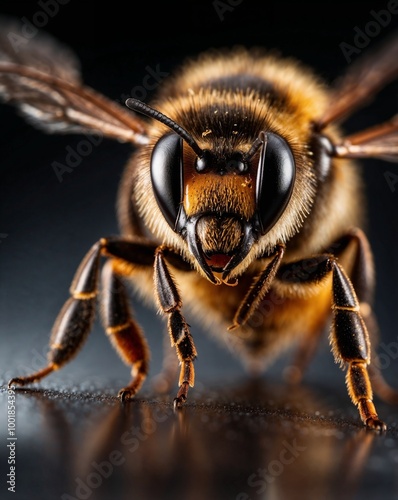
252, 442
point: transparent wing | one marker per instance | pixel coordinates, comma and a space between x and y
380, 141
41, 77
363, 79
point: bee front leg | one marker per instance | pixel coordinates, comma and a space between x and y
349, 336
258, 289
180, 336
74, 321
362, 279
351, 344
76, 317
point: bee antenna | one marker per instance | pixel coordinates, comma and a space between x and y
141, 107
255, 147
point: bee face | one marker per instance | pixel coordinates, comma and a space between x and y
222, 200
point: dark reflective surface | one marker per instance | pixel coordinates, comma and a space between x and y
251, 441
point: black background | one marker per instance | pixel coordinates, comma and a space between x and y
51, 224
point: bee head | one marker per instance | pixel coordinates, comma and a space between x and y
219, 204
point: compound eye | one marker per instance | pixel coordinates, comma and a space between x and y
167, 176
275, 180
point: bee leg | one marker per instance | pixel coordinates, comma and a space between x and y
163, 382
74, 321
350, 344
258, 289
123, 331
294, 373
362, 278
170, 303
349, 336
363, 281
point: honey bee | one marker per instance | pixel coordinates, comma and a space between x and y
241, 205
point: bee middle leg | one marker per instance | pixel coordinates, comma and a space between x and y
163, 382
122, 330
